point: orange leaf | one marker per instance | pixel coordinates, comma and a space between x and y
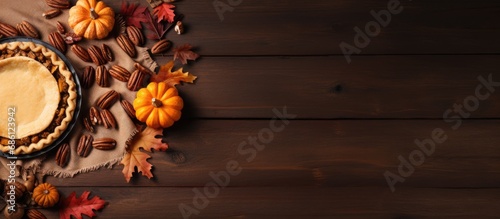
134, 157
78, 206
165, 12
172, 78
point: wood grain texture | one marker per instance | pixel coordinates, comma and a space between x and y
299, 202
283, 27
354, 120
318, 153
327, 87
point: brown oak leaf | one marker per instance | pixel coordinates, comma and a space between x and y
165, 12
184, 53
172, 78
136, 158
73, 206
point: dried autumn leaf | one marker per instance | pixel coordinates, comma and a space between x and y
78, 206
135, 158
148, 141
184, 53
156, 28
134, 14
172, 78
164, 12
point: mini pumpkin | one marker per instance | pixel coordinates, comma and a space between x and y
158, 104
91, 19
46, 195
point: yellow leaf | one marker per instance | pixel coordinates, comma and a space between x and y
136, 158
172, 78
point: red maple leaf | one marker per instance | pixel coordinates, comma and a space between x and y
134, 14
78, 206
135, 158
156, 28
164, 12
184, 53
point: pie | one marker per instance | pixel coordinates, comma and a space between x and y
37, 97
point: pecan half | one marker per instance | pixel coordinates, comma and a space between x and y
107, 53
107, 99
57, 41
129, 109
102, 76
135, 35
88, 125
7, 30
27, 29
61, 4
81, 53
104, 144
34, 214
60, 28
84, 145
120, 24
62, 155
119, 73
126, 45
88, 77
136, 80
161, 46
51, 13
96, 55
95, 116
108, 120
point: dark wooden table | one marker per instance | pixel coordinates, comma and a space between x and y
353, 124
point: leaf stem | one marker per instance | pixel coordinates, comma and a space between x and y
153, 25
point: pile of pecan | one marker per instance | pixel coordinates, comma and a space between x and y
99, 114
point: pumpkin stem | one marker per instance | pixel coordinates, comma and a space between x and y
45, 191
93, 14
156, 103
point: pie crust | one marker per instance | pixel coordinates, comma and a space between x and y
35, 81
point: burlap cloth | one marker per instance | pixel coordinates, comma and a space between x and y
13, 12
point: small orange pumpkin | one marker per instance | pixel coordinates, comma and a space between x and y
158, 105
46, 195
91, 19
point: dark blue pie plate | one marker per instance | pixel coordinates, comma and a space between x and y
71, 125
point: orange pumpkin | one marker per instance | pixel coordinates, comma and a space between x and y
158, 105
46, 195
91, 19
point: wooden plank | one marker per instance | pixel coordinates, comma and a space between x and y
298, 202
325, 153
280, 27
327, 87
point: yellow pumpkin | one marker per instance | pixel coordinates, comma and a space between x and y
91, 19
158, 104
46, 195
